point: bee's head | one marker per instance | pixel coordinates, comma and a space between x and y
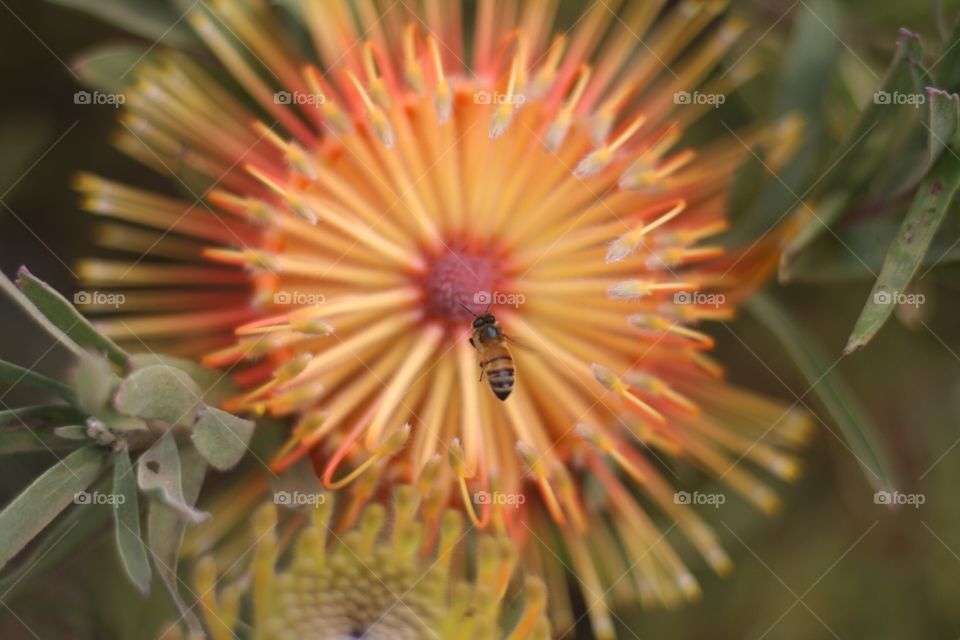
484, 320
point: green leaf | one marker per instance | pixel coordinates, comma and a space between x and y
165, 529
11, 374
45, 414
216, 386
760, 199
37, 316
159, 392
92, 380
155, 21
67, 319
944, 118
126, 512
947, 67
221, 438
26, 440
858, 251
47, 496
881, 126
908, 249
158, 473
60, 542
855, 424
71, 432
111, 67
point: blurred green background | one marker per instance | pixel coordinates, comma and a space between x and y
832, 564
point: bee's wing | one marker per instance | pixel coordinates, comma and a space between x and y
522, 344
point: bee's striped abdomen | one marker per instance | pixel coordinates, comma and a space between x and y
499, 371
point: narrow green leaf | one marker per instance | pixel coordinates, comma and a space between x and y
158, 473
944, 119
110, 67
221, 438
165, 529
44, 414
159, 392
155, 21
947, 67
908, 248
858, 251
61, 540
26, 440
126, 512
11, 374
855, 424
37, 316
67, 319
51, 493
885, 119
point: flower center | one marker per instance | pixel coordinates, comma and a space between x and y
459, 280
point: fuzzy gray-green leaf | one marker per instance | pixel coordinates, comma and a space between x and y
165, 529
126, 512
92, 380
159, 474
221, 438
67, 319
11, 374
159, 392
31, 511
909, 248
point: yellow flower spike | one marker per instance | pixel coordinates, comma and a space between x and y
371, 524
599, 159
546, 76
608, 379
413, 72
451, 528
205, 580
536, 600
443, 96
333, 115
378, 90
630, 241
390, 447
535, 462
378, 119
264, 559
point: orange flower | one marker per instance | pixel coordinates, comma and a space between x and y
388, 174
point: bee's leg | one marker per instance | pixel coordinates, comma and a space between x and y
481, 373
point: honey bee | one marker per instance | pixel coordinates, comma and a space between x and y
496, 362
